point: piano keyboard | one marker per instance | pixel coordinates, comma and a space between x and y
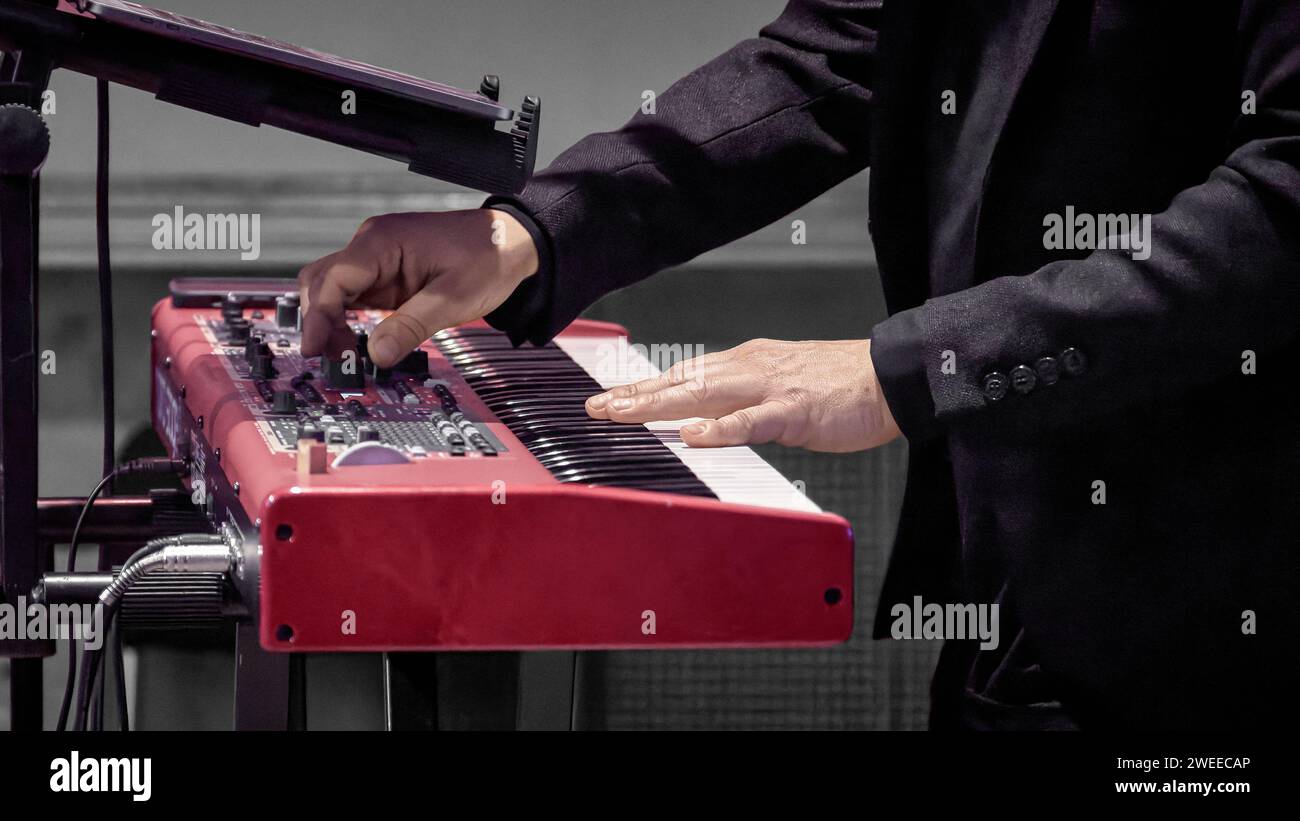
439, 543
734, 474
539, 393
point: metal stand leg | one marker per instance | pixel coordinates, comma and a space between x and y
546, 691
24, 148
410, 691
263, 684
298, 692
25, 697
481, 691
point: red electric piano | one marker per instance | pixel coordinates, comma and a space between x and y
463, 500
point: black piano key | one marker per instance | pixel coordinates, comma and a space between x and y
539, 394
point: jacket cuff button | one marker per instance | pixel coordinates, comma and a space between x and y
1073, 361
1048, 370
995, 386
1023, 379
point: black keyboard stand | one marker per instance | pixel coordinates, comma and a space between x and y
483, 691
35, 39
24, 144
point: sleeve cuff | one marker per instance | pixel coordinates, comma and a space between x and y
899, 353
524, 315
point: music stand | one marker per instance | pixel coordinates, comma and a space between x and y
464, 147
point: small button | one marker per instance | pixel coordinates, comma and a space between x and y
417, 362
995, 385
262, 367
232, 307
1073, 361
1023, 379
286, 311
1048, 370
284, 402
343, 375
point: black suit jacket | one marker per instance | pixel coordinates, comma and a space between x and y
1138, 606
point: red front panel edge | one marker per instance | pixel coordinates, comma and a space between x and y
547, 567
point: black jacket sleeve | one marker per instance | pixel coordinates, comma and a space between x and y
729, 148
1222, 278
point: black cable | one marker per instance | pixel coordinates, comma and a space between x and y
70, 683
100, 684
106, 367
105, 315
91, 658
109, 655
189, 556
105, 274
89, 665
123, 717
95, 721
152, 465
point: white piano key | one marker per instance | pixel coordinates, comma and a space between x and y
734, 474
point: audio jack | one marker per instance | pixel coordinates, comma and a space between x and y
188, 553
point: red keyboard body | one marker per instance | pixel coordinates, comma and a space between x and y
467, 550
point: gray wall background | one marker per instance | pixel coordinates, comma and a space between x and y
589, 61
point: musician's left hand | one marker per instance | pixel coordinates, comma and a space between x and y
816, 395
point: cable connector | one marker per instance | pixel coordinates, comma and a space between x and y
188, 553
154, 465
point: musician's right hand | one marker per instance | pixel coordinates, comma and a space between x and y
434, 270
